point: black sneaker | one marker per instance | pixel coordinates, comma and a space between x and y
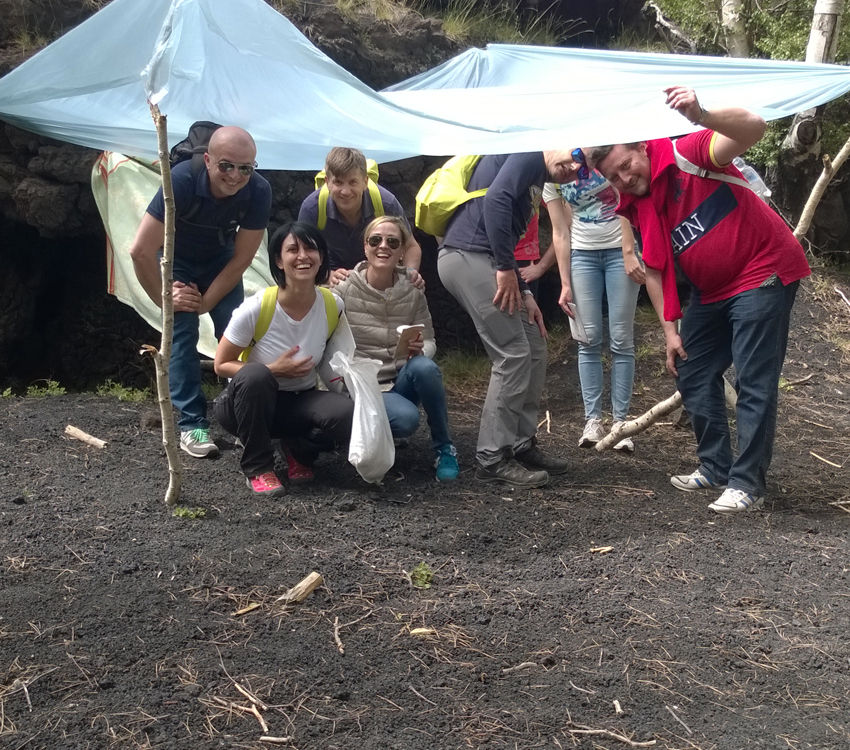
508, 471
534, 458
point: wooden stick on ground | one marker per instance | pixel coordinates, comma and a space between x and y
337, 639
574, 728
634, 426
301, 590
78, 434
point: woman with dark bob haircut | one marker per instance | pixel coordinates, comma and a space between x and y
272, 392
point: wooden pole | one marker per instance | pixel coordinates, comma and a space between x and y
634, 426
829, 170
162, 357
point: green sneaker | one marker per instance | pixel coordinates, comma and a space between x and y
198, 443
446, 464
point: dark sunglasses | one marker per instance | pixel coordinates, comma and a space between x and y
583, 170
394, 243
246, 170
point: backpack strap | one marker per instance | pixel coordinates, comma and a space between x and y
331, 309
264, 320
324, 195
375, 196
691, 168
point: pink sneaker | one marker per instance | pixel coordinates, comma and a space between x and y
266, 484
297, 472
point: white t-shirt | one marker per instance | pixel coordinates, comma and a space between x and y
595, 225
310, 333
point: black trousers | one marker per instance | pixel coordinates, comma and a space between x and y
253, 408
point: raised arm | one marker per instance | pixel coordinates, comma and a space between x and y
737, 129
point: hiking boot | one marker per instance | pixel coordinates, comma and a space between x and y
297, 472
446, 464
593, 433
736, 501
626, 445
198, 443
508, 471
534, 458
695, 481
266, 484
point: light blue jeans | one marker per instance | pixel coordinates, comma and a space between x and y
419, 381
593, 273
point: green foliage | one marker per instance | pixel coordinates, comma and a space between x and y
777, 29
421, 576
181, 511
123, 393
212, 390
470, 22
464, 370
50, 388
6, 394
766, 152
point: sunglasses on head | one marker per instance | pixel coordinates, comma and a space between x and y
583, 170
394, 243
244, 169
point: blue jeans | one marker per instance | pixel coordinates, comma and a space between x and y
185, 363
419, 381
594, 272
749, 330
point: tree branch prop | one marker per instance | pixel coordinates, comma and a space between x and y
829, 170
634, 426
667, 29
162, 357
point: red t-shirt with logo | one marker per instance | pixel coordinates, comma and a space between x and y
725, 238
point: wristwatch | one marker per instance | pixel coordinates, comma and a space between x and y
703, 113
526, 292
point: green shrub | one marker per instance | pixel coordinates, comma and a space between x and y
116, 390
50, 388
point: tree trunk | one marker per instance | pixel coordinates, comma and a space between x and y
805, 133
734, 28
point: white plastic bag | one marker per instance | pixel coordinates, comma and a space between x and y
371, 450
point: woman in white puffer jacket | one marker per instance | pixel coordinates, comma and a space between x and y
379, 299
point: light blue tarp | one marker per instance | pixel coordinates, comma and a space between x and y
607, 97
240, 62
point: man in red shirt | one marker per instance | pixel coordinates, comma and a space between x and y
744, 267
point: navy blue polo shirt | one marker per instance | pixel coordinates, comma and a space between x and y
494, 223
210, 230
345, 243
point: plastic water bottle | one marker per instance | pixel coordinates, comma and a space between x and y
751, 176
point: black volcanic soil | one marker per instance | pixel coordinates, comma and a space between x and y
606, 610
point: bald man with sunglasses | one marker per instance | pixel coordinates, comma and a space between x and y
222, 212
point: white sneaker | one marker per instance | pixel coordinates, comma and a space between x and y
593, 433
198, 443
736, 501
626, 443
694, 481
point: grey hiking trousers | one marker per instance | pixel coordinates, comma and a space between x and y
515, 347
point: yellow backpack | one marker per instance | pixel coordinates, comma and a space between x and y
443, 192
267, 313
371, 185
